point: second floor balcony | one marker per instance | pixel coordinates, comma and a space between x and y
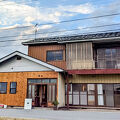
92, 64
84, 56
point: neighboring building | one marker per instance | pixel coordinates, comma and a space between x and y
92, 63
22, 76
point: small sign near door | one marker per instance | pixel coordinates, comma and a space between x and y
28, 104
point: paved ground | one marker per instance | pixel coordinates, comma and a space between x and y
61, 115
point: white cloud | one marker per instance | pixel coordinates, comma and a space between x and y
11, 12
10, 27
107, 9
57, 13
82, 9
29, 19
45, 27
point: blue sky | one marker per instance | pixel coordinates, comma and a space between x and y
16, 13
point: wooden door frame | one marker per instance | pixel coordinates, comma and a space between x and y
41, 84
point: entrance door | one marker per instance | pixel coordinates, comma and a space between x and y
43, 95
42, 91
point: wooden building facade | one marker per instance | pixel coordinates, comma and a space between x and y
40, 52
92, 64
23, 77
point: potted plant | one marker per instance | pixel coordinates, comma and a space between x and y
55, 103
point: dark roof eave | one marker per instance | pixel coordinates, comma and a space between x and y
111, 39
35, 43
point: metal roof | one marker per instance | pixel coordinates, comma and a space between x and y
75, 38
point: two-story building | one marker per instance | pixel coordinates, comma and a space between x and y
82, 70
92, 63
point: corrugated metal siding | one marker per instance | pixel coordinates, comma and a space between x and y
39, 52
79, 56
95, 79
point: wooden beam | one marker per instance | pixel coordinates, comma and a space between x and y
94, 71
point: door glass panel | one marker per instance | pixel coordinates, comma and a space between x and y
29, 91
109, 95
76, 87
100, 88
117, 94
100, 94
83, 98
91, 94
53, 93
76, 90
83, 94
100, 100
70, 99
49, 90
33, 92
91, 99
76, 98
91, 88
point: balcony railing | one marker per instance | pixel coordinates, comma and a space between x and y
92, 64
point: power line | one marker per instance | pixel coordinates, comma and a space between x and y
94, 17
107, 25
115, 30
12, 45
17, 27
97, 32
72, 20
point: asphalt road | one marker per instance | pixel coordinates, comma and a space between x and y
61, 115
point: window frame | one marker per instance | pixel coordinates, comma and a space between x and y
6, 88
111, 57
54, 51
13, 88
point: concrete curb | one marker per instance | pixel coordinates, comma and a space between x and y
9, 118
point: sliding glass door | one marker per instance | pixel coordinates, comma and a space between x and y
107, 95
91, 94
100, 95
83, 94
117, 94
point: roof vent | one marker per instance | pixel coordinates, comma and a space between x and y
18, 58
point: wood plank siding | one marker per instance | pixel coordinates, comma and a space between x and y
21, 79
39, 52
95, 79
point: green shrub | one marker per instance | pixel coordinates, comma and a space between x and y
55, 103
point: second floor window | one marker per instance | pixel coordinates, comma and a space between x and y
108, 58
13, 86
3, 87
54, 55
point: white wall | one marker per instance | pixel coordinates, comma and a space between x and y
14, 65
61, 90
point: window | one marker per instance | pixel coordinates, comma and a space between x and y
13, 87
3, 87
54, 55
108, 58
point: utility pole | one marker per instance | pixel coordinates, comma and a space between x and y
36, 25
